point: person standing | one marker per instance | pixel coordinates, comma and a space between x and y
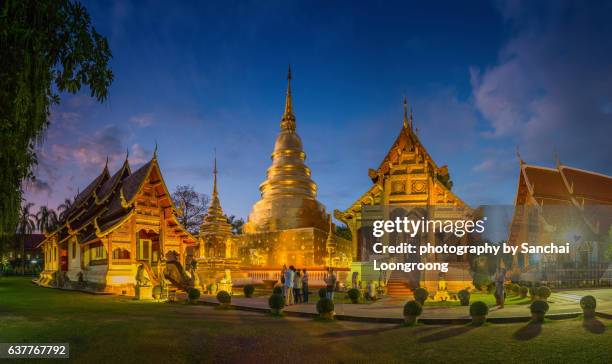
330, 283
305, 285
500, 278
288, 285
297, 287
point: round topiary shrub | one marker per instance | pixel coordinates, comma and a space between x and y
325, 308
224, 299
248, 290
277, 290
412, 310
464, 297
421, 295
543, 292
538, 310
481, 281
193, 295
588, 305
523, 291
479, 311
322, 292
276, 303
533, 293
354, 295
514, 289
157, 292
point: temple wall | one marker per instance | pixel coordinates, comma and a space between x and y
298, 247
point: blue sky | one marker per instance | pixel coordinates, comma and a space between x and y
483, 77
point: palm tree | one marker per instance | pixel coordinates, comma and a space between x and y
42, 219
64, 207
25, 226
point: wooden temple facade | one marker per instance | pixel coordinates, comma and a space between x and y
117, 224
408, 182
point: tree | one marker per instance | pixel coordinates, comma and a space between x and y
344, 232
192, 206
26, 225
46, 219
46, 47
64, 207
236, 223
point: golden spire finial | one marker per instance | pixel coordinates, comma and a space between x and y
155, 151
106, 164
557, 160
288, 120
411, 118
127, 153
518, 155
405, 113
215, 193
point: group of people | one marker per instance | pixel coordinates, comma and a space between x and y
295, 285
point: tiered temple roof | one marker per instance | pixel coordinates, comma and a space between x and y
546, 189
109, 200
403, 156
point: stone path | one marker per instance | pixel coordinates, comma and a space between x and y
562, 305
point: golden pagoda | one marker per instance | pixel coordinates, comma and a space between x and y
288, 225
215, 231
216, 263
288, 195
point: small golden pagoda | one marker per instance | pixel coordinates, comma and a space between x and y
215, 232
288, 225
215, 262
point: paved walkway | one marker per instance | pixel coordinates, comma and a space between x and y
561, 305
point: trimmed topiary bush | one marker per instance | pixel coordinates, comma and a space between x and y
464, 297
322, 292
523, 291
538, 310
514, 289
277, 290
544, 292
276, 303
412, 310
588, 305
533, 293
325, 308
354, 295
479, 311
481, 281
248, 290
224, 299
193, 295
421, 295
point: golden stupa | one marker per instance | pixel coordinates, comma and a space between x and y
215, 232
288, 225
288, 195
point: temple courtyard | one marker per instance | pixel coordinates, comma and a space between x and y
108, 328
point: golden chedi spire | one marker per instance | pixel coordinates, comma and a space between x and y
215, 229
406, 122
288, 195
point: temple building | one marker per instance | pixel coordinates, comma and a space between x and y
407, 183
288, 225
562, 205
119, 227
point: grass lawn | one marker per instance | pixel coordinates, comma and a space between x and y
103, 329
